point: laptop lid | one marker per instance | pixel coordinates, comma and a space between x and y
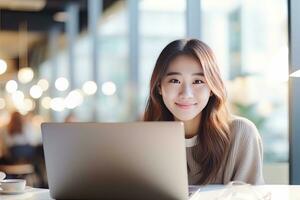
139, 160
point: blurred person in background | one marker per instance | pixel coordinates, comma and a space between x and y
19, 139
33, 122
24, 150
2, 146
4, 119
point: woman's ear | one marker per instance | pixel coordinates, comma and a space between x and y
159, 89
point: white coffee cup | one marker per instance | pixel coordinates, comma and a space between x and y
2, 175
13, 185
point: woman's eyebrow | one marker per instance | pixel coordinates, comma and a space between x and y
173, 73
178, 73
198, 74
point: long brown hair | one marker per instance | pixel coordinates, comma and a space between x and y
214, 136
15, 126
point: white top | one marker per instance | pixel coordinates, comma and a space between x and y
190, 142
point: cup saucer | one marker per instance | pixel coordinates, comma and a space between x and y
15, 192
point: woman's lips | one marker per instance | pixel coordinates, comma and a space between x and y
185, 105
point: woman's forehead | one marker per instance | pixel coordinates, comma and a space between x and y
185, 64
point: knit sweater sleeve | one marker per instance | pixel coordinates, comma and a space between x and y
247, 153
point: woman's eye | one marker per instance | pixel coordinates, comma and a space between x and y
198, 82
174, 81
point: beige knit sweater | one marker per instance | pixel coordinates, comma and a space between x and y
243, 162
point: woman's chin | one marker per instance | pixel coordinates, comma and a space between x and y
184, 118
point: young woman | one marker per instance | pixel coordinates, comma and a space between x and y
186, 86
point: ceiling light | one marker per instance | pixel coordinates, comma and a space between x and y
60, 16
23, 5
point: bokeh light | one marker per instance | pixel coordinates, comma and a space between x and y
109, 88
61, 84
89, 88
46, 102
73, 99
57, 104
25, 75
44, 84
36, 91
2, 103
11, 86
3, 66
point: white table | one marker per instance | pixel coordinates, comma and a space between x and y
30, 194
210, 192
274, 192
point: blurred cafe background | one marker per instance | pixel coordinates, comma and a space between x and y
91, 60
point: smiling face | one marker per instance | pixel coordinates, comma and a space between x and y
184, 89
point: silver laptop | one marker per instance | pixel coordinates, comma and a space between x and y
140, 160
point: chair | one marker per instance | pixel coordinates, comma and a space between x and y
21, 164
23, 171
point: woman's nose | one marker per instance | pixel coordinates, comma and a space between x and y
187, 91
